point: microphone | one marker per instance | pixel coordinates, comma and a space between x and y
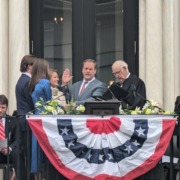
133, 90
107, 96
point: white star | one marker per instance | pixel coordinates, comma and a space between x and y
140, 131
110, 156
101, 157
70, 143
65, 131
128, 148
136, 143
89, 156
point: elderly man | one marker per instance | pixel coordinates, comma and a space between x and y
126, 79
83, 91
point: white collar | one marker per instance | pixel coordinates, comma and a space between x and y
128, 75
26, 73
89, 81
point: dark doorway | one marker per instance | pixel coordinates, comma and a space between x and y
65, 32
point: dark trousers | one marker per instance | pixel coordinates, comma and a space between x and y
13, 158
24, 145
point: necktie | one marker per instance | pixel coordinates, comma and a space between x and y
2, 133
83, 88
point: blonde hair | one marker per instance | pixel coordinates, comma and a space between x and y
51, 72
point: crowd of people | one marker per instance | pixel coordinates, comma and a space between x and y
37, 80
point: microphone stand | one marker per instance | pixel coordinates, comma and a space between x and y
138, 95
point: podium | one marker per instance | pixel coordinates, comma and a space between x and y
102, 107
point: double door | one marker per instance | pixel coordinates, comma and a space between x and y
66, 32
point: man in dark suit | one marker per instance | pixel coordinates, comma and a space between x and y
23, 97
126, 80
10, 130
83, 91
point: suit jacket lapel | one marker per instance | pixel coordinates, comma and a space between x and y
6, 127
88, 88
77, 90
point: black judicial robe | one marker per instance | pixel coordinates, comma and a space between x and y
140, 89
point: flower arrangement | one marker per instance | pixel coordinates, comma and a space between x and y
49, 107
52, 107
151, 107
72, 108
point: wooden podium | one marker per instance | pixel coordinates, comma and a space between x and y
102, 107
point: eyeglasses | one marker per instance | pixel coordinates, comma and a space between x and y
116, 73
29, 64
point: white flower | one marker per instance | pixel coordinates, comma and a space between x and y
121, 110
156, 110
146, 106
49, 108
80, 108
54, 112
153, 112
154, 103
60, 111
77, 109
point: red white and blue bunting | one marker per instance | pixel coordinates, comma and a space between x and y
86, 147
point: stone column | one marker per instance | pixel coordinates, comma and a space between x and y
4, 32
154, 79
158, 50
18, 43
170, 62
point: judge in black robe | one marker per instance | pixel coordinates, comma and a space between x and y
126, 80
130, 99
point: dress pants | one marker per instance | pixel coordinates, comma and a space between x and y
14, 159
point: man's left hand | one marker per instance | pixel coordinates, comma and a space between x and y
5, 151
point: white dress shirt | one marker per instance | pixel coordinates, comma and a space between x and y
28, 74
126, 78
3, 121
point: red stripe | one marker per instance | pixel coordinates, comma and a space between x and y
168, 128
37, 128
105, 126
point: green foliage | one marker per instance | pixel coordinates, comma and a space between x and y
72, 108
151, 107
49, 107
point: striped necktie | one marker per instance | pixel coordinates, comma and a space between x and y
83, 88
2, 133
